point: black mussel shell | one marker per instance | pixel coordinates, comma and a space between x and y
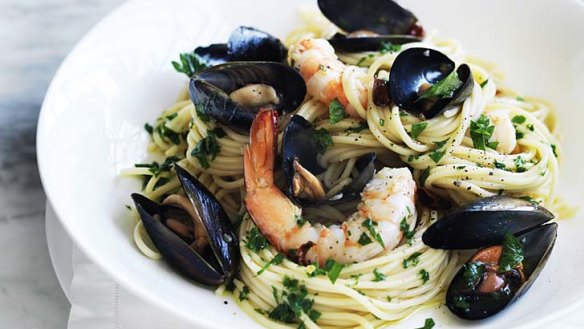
484, 223
471, 304
380, 16
211, 88
299, 143
344, 43
417, 68
244, 44
215, 266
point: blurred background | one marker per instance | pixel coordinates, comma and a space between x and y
35, 36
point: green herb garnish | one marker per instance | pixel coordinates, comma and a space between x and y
300, 220
207, 148
512, 253
322, 139
148, 128
255, 241
370, 225
388, 47
424, 275
518, 161
428, 324
293, 303
480, 132
336, 111
444, 88
472, 273
518, 119
362, 126
417, 129
201, 114
499, 165
382, 122
243, 294
413, 260
190, 63
405, 228
439, 144
378, 276
423, 176
277, 260
364, 239
436, 155
484, 83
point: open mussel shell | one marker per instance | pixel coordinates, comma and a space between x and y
471, 304
485, 222
416, 69
212, 87
379, 16
244, 44
212, 267
345, 43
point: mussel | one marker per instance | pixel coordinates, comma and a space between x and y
244, 44
192, 232
484, 223
424, 82
516, 244
300, 149
370, 23
482, 288
233, 93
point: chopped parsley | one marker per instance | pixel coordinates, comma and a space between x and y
293, 303
472, 272
171, 116
518, 119
424, 275
277, 260
382, 122
499, 165
519, 162
207, 148
417, 129
388, 47
364, 239
331, 268
437, 155
480, 132
362, 126
322, 139
336, 111
243, 294
413, 260
156, 169
484, 83
388, 298
405, 228
168, 134
439, 144
444, 88
201, 114
423, 176
512, 253
428, 324
255, 241
300, 220
190, 64
370, 225
148, 128
378, 276
519, 98
553, 146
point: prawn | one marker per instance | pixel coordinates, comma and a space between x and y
504, 132
322, 71
386, 201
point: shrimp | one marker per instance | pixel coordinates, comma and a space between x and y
386, 201
322, 70
504, 132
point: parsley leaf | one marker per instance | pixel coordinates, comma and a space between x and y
322, 139
553, 146
370, 225
148, 128
277, 260
444, 88
423, 176
484, 83
255, 240
512, 253
439, 144
300, 220
243, 294
480, 132
333, 269
362, 126
336, 111
499, 165
437, 155
190, 64
412, 260
388, 47
405, 228
201, 114
417, 129
519, 162
428, 324
364, 239
294, 303
472, 273
378, 276
518, 119
207, 148
382, 122
424, 275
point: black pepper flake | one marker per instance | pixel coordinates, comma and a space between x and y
225, 302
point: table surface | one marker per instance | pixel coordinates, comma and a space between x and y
35, 36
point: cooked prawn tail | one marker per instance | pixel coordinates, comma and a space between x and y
259, 155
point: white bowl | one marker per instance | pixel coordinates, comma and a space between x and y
119, 77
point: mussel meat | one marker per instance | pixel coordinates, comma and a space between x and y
424, 82
233, 93
370, 23
244, 44
484, 287
192, 232
300, 149
485, 222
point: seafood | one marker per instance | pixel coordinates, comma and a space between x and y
244, 44
299, 160
232, 93
323, 71
192, 232
414, 75
387, 199
369, 24
504, 133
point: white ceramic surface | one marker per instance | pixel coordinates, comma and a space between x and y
119, 77
60, 248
